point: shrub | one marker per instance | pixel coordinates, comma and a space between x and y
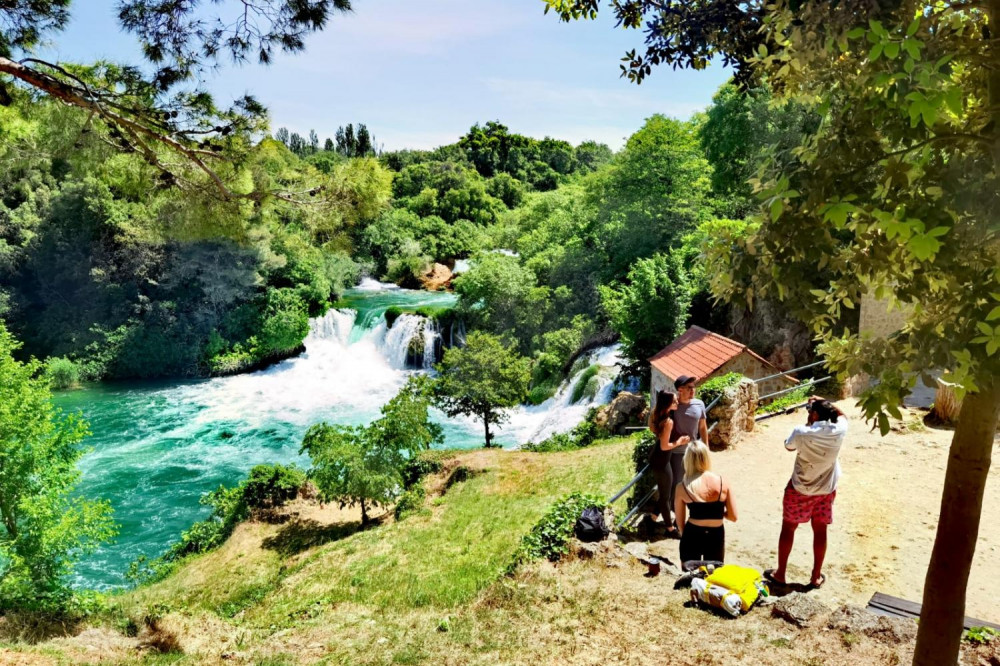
541, 393
62, 373
549, 538
418, 467
715, 386
272, 485
790, 399
410, 501
640, 458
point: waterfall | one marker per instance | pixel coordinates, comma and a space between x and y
334, 325
431, 337
395, 341
559, 413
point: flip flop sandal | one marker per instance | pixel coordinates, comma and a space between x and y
769, 576
816, 586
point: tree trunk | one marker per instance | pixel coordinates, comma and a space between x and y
364, 514
940, 632
489, 437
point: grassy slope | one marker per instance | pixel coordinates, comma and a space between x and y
426, 590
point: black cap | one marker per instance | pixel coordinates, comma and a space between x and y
683, 379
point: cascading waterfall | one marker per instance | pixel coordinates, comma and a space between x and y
431, 337
394, 342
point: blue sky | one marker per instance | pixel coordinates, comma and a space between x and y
420, 73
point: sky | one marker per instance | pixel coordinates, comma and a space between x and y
419, 73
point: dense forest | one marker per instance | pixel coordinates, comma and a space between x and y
110, 270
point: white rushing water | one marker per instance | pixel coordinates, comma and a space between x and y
351, 368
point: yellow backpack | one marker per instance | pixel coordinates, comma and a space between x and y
746, 583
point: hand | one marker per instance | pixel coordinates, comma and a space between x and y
683, 439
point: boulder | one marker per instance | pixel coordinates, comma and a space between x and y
861, 621
734, 415
798, 609
626, 409
437, 278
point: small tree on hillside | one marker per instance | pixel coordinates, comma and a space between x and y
44, 528
482, 379
364, 465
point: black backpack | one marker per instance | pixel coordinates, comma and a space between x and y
590, 525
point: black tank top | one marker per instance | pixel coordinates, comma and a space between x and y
708, 510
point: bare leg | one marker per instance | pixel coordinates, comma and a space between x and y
785, 543
819, 551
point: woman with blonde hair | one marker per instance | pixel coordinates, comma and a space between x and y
701, 503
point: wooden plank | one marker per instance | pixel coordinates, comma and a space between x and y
889, 606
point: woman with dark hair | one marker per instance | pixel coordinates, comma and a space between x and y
667, 467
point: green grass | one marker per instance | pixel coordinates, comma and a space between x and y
790, 399
438, 559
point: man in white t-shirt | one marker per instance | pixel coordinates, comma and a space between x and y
813, 487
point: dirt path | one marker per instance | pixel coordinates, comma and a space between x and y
885, 514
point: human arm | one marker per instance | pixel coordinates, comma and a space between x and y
730, 504
681, 499
703, 429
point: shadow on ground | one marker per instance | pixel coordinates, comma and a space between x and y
300, 535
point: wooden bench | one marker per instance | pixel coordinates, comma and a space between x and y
883, 604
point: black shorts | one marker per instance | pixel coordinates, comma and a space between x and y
703, 543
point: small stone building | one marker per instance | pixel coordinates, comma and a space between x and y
704, 354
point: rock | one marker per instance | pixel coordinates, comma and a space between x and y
437, 278
896, 630
637, 549
734, 415
798, 609
852, 619
889, 630
582, 550
625, 409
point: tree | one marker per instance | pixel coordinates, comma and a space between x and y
494, 292
313, 141
651, 308
482, 379
894, 194
282, 135
363, 465
155, 112
44, 527
328, 145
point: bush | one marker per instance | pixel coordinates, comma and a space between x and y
419, 467
549, 538
410, 501
541, 393
62, 373
640, 458
715, 386
790, 399
272, 485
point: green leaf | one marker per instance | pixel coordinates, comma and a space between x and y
877, 28
994, 314
923, 246
777, 207
953, 98
913, 27
984, 328
892, 50
876, 52
855, 33
908, 66
934, 191
883, 424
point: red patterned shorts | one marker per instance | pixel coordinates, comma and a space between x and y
798, 508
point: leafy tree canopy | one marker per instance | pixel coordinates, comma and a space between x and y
482, 379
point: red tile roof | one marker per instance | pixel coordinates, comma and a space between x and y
698, 353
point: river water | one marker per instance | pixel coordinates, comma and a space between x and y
156, 447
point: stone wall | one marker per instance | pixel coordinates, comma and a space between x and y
877, 321
750, 366
734, 415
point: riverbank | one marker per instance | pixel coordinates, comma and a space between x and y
428, 590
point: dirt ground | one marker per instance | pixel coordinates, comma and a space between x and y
885, 515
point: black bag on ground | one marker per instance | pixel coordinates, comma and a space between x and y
590, 525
